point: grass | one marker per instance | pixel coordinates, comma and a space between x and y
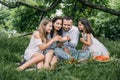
11, 50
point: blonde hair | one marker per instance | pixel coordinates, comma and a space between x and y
42, 31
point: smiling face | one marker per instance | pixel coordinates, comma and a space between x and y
48, 27
80, 26
67, 24
57, 24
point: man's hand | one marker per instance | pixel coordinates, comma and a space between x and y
68, 38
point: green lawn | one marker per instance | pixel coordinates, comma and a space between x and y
12, 49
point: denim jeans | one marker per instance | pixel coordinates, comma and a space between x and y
61, 54
76, 54
84, 54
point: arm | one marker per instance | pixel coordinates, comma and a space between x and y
66, 38
74, 38
88, 41
63, 39
46, 45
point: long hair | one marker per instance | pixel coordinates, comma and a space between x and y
59, 32
87, 25
42, 31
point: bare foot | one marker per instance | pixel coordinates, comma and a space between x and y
52, 67
46, 67
19, 69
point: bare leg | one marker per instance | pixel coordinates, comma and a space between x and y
40, 65
35, 59
48, 58
53, 62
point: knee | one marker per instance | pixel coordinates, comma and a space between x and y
51, 51
55, 58
41, 56
57, 50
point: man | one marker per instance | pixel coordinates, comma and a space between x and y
73, 34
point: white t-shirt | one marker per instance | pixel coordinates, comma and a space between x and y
73, 33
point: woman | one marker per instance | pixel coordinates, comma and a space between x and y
50, 58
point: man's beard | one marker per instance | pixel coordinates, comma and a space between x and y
66, 30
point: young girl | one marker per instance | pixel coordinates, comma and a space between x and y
34, 52
98, 50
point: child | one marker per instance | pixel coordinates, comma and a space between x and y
34, 52
98, 50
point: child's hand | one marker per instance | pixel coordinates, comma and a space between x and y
84, 48
82, 40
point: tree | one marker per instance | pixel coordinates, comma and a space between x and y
4, 17
56, 2
28, 13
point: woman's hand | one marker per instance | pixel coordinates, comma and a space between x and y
48, 40
57, 38
66, 38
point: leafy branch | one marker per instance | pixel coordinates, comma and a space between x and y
99, 7
19, 3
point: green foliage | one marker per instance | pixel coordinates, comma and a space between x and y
4, 17
112, 29
11, 50
25, 19
104, 26
114, 4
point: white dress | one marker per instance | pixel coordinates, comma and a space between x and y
96, 48
32, 48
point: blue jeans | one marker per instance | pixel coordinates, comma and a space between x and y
84, 54
76, 54
61, 54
